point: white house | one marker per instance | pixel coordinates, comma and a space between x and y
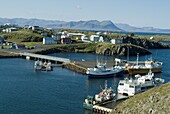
48, 41
84, 38
151, 38
117, 41
36, 28
11, 29
104, 39
94, 38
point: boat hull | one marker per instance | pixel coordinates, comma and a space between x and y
105, 75
88, 106
143, 71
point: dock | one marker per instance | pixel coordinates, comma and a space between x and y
107, 107
44, 57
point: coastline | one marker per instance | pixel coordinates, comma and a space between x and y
8, 55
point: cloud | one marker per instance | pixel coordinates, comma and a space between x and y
78, 7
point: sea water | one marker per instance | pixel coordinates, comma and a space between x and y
24, 91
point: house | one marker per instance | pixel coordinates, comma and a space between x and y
65, 39
48, 41
94, 38
104, 39
36, 28
152, 38
10, 29
58, 36
44, 34
98, 33
18, 46
117, 41
84, 38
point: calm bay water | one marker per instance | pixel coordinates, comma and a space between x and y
61, 91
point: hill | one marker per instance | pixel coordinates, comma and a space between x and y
153, 101
130, 28
23, 36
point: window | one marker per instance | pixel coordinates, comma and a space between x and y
121, 83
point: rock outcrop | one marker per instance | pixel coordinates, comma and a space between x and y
153, 101
121, 50
149, 44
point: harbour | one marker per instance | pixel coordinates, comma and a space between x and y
49, 83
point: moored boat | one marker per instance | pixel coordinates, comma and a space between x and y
38, 65
131, 86
47, 66
105, 95
144, 68
102, 71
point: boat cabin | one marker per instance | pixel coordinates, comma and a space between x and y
128, 87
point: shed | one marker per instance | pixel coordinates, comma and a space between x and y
48, 41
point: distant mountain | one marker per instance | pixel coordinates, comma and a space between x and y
129, 28
83, 25
106, 25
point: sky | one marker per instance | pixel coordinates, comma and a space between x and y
139, 13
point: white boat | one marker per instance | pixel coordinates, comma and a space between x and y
38, 65
49, 66
131, 86
101, 71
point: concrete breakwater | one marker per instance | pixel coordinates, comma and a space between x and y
81, 66
8, 55
74, 67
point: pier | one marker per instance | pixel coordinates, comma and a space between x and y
44, 57
107, 107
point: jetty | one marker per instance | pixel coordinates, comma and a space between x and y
107, 107
44, 57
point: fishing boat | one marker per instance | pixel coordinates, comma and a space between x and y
38, 65
106, 94
132, 86
47, 66
102, 71
89, 102
144, 68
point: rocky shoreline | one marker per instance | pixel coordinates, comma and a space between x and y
131, 47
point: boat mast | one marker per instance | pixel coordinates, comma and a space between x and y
127, 54
105, 84
137, 61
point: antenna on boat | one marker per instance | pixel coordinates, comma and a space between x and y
97, 61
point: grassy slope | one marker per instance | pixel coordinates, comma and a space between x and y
155, 100
22, 35
156, 37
